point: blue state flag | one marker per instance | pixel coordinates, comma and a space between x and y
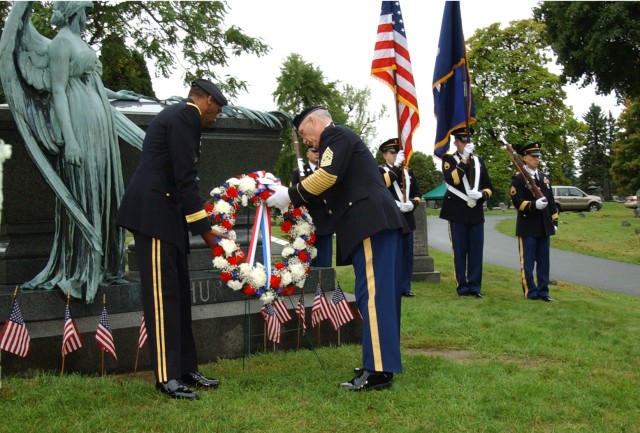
453, 102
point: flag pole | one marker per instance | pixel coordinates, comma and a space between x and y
298, 340
15, 293
135, 364
62, 370
319, 321
104, 304
264, 338
400, 143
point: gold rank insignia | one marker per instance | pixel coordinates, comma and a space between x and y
513, 190
446, 166
327, 158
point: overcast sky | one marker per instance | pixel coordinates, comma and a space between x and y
338, 37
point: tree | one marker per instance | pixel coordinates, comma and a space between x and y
596, 42
595, 159
362, 121
516, 95
625, 168
123, 68
302, 85
425, 171
188, 36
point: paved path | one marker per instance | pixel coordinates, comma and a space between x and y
502, 250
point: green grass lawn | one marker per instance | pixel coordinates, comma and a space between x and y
500, 364
601, 234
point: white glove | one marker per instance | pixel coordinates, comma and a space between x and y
468, 150
406, 207
541, 203
280, 197
474, 194
399, 159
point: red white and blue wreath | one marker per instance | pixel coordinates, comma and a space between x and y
239, 270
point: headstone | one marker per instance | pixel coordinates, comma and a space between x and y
423, 265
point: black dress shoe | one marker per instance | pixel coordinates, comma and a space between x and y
464, 294
199, 381
478, 295
547, 299
176, 389
368, 380
408, 294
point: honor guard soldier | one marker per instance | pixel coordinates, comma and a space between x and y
368, 227
537, 221
468, 187
161, 204
407, 195
318, 211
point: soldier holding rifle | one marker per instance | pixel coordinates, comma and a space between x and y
537, 220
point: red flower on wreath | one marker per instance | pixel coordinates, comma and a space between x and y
229, 259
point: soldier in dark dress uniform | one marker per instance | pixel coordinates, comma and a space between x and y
161, 204
407, 204
468, 187
368, 227
318, 211
537, 222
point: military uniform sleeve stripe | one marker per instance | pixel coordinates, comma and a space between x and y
319, 182
387, 179
455, 177
196, 216
524, 205
488, 192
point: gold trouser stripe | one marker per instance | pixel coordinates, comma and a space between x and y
453, 254
319, 181
371, 306
158, 305
196, 216
522, 276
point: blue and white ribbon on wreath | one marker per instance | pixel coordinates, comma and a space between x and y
261, 225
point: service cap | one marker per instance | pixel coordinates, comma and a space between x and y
297, 121
390, 144
211, 89
530, 149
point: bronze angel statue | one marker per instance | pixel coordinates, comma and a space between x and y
55, 93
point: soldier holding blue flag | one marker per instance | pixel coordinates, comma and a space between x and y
468, 188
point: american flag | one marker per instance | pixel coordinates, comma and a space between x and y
71, 339
320, 310
340, 310
14, 337
274, 327
104, 337
282, 313
392, 65
142, 335
300, 311
453, 101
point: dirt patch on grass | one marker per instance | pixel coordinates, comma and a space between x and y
456, 355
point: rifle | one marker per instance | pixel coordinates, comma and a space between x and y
296, 148
528, 180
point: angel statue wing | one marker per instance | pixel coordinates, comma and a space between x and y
26, 81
